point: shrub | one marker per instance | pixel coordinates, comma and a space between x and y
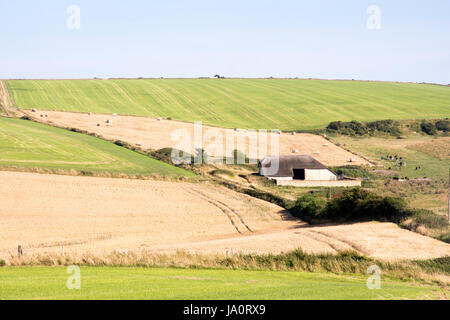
443, 125
2, 263
165, 155
428, 127
309, 206
389, 126
353, 128
352, 205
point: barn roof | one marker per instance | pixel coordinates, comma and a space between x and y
287, 163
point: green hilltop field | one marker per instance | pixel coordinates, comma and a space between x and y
26, 144
286, 104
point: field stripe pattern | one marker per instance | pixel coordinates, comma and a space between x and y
246, 103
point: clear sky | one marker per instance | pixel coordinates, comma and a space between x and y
234, 38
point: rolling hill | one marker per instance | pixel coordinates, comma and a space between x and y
27, 144
286, 104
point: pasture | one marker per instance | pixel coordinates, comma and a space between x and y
186, 284
29, 145
285, 104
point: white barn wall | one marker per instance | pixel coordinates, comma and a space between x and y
319, 175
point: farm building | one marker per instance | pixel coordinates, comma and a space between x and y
295, 167
300, 170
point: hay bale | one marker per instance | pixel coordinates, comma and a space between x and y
294, 150
98, 124
325, 144
89, 113
33, 110
114, 114
108, 121
159, 119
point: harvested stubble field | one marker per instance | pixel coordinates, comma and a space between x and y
157, 134
285, 104
99, 215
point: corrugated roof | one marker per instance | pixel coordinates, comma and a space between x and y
287, 163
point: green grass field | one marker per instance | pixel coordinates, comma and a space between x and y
246, 103
27, 144
185, 284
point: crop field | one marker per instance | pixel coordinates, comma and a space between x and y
244, 103
186, 284
102, 215
150, 133
25, 144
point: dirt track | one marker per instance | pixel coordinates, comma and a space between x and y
153, 134
99, 215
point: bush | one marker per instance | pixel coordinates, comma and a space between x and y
165, 155
428, 127
352, 205
309, 206
389, 126
443, 125
353, 128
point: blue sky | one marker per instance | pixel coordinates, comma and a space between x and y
246, 38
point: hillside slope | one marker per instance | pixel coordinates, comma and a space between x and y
26, 144
245, 103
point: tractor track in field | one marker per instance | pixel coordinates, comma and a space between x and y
5, 104
229, 208
229, 212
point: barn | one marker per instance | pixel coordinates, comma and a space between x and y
295, 167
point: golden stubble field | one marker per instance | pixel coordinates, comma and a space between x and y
150, 133
43, 213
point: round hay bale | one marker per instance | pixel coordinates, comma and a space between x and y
33, 110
